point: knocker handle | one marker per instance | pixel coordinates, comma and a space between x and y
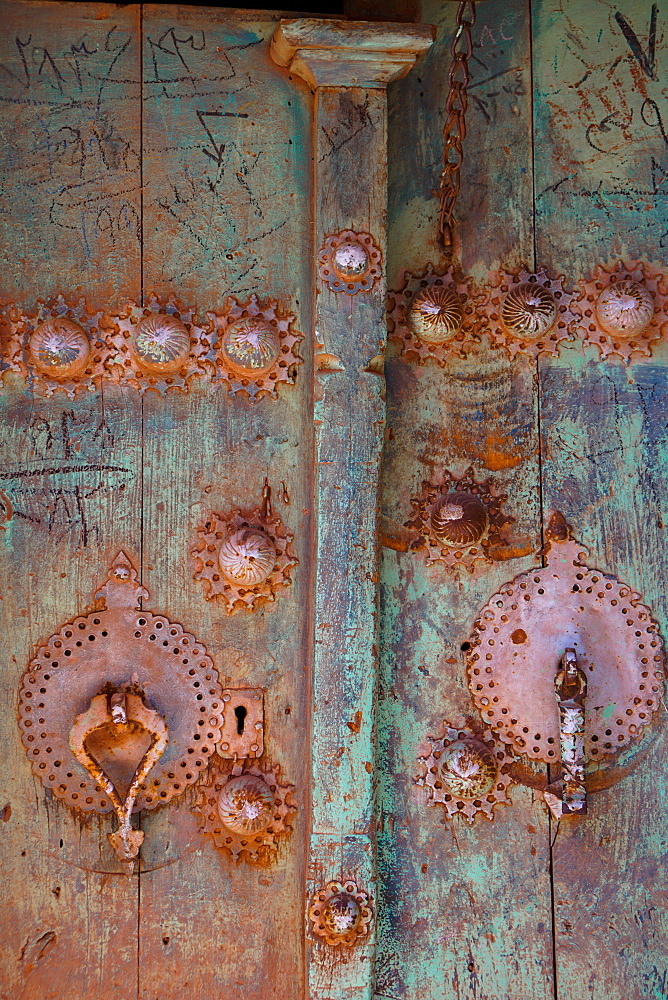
571, 689
117, 711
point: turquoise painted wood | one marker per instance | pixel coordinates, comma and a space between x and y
465, 910
604, 454
226, 211
162, 150
70, 470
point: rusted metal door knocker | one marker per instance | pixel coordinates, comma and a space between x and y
581, 633
565, 630
121, 709
118, 715
571, 689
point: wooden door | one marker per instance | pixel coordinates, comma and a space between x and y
564, 167
160, 159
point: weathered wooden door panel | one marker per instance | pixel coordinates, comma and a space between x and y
464, 911
160, 151
71, 468
599, 100
476, 918
226, 211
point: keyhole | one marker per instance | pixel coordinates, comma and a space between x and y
240, 712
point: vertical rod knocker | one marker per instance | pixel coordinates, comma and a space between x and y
571, 690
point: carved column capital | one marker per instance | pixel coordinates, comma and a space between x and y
328, 53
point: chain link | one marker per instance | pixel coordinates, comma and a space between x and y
454, 130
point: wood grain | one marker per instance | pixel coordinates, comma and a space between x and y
226, 210
351, 154
69, 120
464, 911
599, 165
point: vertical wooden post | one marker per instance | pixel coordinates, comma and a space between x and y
348, 65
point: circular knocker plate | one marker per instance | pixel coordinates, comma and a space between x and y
120, 647
522, 633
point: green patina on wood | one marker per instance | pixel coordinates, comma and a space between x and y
475, 920
466, 911
561, 104
226, 210
600, 169
70, 173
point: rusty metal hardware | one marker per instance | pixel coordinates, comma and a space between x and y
244, 556
255, 345
159, 346
117, 714
466, 770
341, 913
118, 662
520, 637
243, 804
571, 690
454, 130
250, 347
433, 316
60, 346
528, 312
350, 262
242, 734
460, 522
245, 808
623, 309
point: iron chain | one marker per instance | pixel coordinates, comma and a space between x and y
454, 130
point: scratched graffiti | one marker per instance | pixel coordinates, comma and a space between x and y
222, 136
603, 121
69, 156
66, 484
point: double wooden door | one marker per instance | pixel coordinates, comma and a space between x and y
159, 159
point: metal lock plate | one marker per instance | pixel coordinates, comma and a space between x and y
522, 634
242, 734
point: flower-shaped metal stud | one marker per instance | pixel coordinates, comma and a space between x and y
460, 522
245, 813
255, 346
433, 316
161, 344
623, 309
529, 312
350, 262
59, 347
341, 913
244, 556
466, 771
157, 347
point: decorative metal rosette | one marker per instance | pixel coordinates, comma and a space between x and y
434, 316
459, 522
254, 346
341, 913
466, 771
529, 313
622, 309
245, 813
350, 262
243, 557
158, 346
58, 347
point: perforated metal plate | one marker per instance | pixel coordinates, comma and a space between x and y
120, 645
522, 633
